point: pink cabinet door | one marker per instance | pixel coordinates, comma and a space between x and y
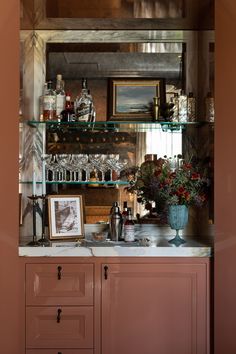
155, 308
59, 351
59, 284
59, 327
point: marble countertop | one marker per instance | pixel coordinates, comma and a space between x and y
157, 247
200, 245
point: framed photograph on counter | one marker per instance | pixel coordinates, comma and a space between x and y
132, 99
65, 217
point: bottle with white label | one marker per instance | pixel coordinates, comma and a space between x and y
60, 96
83, 104
49, 103
129, 231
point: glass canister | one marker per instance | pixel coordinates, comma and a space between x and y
210, 107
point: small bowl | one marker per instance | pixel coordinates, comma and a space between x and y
99, 236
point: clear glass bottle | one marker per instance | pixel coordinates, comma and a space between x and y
49, 103
83, 104
183, 107
210, 108
60, 95
191, 107
175, 101
129, 228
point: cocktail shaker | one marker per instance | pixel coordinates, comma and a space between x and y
115, 223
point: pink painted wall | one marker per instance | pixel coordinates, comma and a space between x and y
225, 263
9, 269
225, 181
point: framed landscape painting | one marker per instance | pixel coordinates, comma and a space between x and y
65, 217
132, 99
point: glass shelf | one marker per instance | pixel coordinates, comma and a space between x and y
100, 183
135, 126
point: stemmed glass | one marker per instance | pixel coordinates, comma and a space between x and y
112, 161
103, 167
63, 160
98, 161
47, 158
82, 162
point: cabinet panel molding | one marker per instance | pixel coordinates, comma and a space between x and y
59, 284
153, 307
71, 327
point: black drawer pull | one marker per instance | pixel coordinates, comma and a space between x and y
59, 269
59, 353
105, 272
59, 311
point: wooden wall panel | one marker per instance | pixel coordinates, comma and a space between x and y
10, 300
225, 176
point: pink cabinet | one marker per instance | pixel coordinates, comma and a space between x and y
64, 327
59, 308
155, 308
59, 284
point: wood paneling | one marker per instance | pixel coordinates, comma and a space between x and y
225, 175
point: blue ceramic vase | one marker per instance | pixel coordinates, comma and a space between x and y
177, 219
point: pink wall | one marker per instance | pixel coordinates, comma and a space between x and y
225, 264
225, 181
9, 269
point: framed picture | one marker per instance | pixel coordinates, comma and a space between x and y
132, 99
65, 214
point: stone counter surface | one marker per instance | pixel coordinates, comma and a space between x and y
158, 248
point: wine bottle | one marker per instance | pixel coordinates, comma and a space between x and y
129, 230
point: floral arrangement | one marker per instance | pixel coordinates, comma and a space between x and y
158, 181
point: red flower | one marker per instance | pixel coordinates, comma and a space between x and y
187, 196
187, 166
195, 176
180, 191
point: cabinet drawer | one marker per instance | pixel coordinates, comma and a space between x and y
47, 327
59, 284
59, 351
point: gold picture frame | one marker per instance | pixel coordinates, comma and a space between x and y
65, 214
132, 99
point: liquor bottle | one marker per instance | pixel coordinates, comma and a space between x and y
129, 230
175, 109
209, 108
60, 95
49, 103
183, 107
83, 104
68, 114
115, 224
191, 107
124, 216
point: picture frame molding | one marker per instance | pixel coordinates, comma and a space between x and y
52, 222
115, 83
